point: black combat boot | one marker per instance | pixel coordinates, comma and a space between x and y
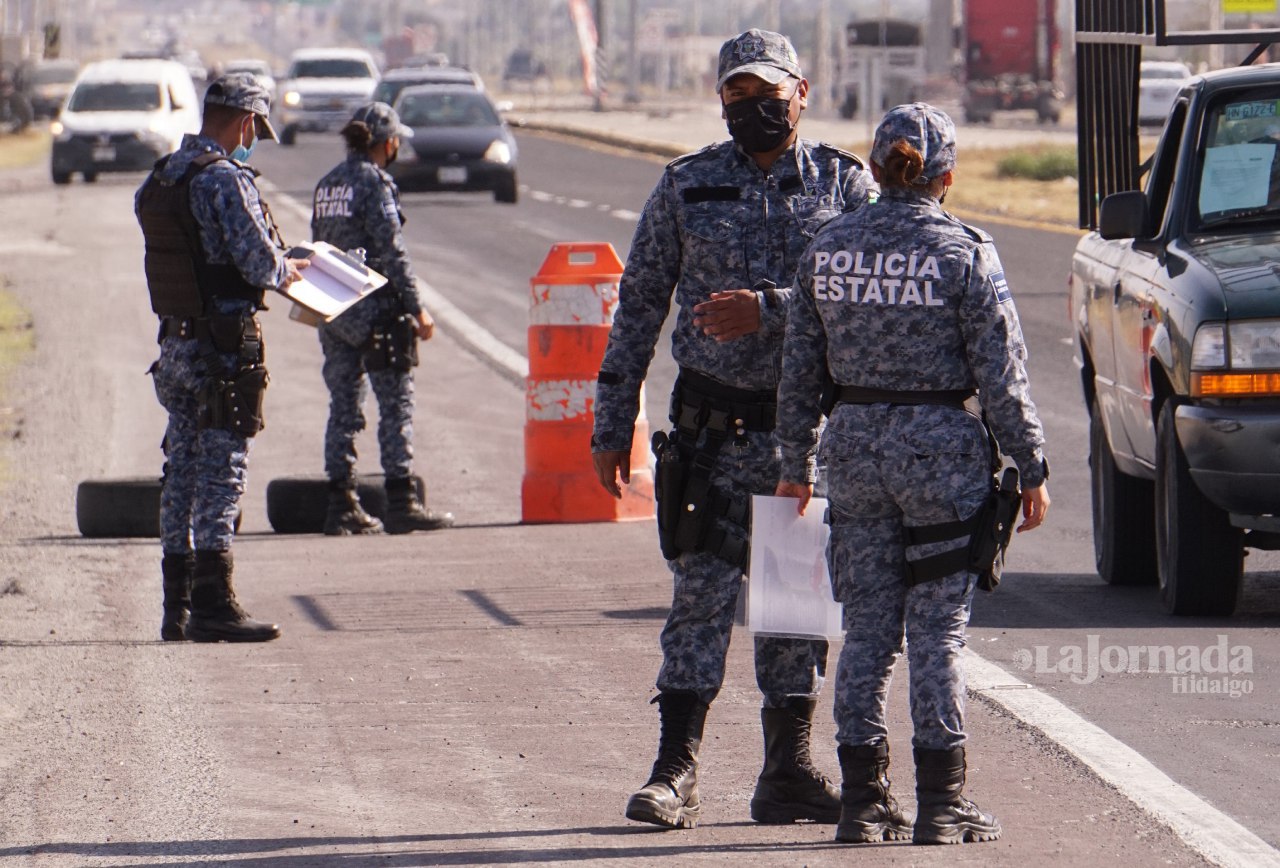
868, 813
943, 814
175, 573
670, 798
215, 614
790, 788
345, 515
406, 514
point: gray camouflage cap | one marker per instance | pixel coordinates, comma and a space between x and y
761, 53
929, 130
382, 121
241, 90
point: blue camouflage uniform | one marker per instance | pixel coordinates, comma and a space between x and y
358, 205
205, 468
716, 222
901, 296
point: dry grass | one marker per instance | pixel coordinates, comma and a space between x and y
979, 189
25, 148
17, 339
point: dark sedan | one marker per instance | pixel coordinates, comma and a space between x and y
459, 143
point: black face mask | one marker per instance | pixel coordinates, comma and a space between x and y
759, 124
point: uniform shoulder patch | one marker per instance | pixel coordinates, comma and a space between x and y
972, 231
999, 287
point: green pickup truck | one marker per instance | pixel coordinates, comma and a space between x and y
1175, 310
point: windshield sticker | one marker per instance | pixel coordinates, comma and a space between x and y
1235, 177
1243, 111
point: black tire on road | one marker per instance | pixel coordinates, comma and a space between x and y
61, 178
297, 504
289, 135
507, 190
121, 507
1200, 554
90, 177
1124, 520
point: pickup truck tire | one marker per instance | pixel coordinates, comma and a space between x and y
1200, 555
1124, 522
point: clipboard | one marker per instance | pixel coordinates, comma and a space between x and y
333, 282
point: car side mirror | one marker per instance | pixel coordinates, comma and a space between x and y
1123, 215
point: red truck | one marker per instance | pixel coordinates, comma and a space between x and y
1009, 48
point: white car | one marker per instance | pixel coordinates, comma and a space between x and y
323, 88
1158, 84
259, 69
121, 116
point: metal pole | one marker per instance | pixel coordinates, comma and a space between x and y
633, 58
820, 94
600, 54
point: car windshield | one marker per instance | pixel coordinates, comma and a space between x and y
389, 89
1239, 174
252, 68
115, 96
330, 67
1174, 73
447, 110
53, 75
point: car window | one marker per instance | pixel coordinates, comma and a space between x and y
447, 110
330, 67
1238, 173
115, 96
53, 75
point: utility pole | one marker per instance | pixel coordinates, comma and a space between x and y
601, 55
633, 57
820, 94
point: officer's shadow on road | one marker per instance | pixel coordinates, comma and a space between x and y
414, 850
1076, 600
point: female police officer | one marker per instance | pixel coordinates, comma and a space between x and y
909, 310
357, 205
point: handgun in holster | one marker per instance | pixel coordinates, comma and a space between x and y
668, 487
993, 529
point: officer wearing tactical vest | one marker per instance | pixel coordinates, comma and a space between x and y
211, 252
724, 231
909, 309
357, 205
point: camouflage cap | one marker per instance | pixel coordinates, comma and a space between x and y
382, 121
929, 130
241, 90
761, 53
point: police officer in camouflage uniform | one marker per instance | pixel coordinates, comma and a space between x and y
909, 309
357, 205
211, 252
724, 230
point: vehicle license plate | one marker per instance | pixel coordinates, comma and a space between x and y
104, 154
453, 174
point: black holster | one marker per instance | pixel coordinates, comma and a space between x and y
668, 487
235, 404
393, 346
994, 530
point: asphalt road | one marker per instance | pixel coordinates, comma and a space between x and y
1054, 599
476, 697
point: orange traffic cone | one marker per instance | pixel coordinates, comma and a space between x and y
571, 307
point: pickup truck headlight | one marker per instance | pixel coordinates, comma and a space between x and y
292, 98
59, 132
1245, 354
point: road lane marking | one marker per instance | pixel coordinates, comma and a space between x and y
1206, 830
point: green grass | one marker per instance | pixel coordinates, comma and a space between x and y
1041, 164
17, 338
25, 148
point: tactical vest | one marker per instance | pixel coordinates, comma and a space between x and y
181, 281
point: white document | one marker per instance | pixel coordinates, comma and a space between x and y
1236, 176
333, 282
789, 590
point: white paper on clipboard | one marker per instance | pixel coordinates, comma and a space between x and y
332, 283
789, 590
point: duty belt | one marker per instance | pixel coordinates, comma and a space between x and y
861, 395
229, 333
697, 401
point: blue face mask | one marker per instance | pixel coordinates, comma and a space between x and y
241, 154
